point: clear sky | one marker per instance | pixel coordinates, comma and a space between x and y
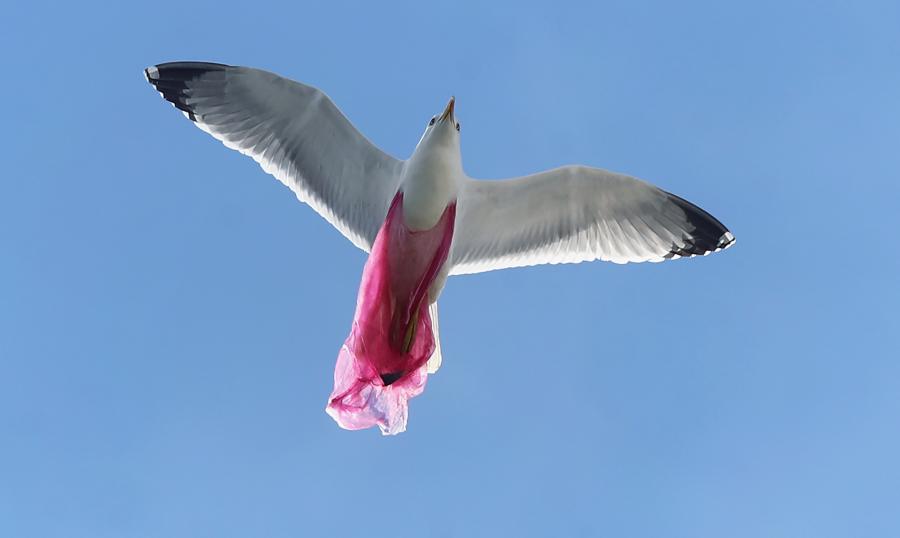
170, 315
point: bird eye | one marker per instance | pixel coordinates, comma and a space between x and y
431, 122
457, 126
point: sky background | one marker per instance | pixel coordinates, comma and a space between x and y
170, 316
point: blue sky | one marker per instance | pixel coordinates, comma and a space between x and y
170, 315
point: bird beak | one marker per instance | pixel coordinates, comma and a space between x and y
448, 112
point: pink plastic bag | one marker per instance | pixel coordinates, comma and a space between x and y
382, 364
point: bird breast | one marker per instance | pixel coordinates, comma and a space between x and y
429, 186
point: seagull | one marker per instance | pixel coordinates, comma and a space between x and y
423, 219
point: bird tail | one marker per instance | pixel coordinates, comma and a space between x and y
434, 362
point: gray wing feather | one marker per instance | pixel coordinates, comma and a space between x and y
573, 214
295, 132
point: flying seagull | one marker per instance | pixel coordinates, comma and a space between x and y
423, 219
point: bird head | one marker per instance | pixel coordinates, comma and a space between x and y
442, 129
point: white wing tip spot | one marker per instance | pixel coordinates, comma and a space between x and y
151, 73
725, 241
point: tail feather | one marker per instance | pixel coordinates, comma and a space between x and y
434, 362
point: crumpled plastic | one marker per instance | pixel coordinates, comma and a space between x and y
382, 364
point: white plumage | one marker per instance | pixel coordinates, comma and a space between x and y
574, 214
422, 219
566, 215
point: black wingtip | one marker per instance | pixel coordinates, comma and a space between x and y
171, 80
708, 234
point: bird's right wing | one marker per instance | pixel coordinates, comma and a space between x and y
295, 132
574, 214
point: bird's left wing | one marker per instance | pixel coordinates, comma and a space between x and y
574, 214
295, 132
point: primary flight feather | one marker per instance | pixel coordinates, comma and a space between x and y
423, 219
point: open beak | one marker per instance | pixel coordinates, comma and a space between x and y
448, 112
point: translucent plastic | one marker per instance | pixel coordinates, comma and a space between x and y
382, 363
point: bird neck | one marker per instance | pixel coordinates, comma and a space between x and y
431, 179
